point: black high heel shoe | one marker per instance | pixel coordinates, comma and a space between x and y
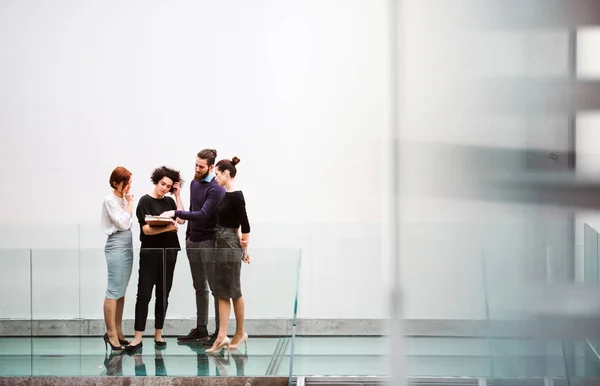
114, 348
122, 342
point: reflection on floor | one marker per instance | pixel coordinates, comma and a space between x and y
425, 357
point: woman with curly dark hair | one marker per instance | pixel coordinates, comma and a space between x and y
158, 253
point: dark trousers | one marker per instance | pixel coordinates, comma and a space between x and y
198, 253
156, 270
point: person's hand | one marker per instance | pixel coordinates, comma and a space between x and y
176, 188
172, 227
246, 258
244, 243
169, 213
129, 196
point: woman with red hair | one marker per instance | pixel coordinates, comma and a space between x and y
116, 222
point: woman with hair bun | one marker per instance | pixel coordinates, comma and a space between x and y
226, 264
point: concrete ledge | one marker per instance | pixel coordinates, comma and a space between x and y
277, 381
542, 327
256, 327
132, 381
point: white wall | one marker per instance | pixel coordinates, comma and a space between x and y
299, 90
296, 89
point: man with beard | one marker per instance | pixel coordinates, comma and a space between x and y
205, 196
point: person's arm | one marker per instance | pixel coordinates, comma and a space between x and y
121, 219
179, 204
213, 198
151, 231
240, 209
243, 243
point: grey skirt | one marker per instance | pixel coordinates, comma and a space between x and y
224, 265
119, 261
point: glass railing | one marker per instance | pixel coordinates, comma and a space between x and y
548, 301
52, 322
52, 319
503, 305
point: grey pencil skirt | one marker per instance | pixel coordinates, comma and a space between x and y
224, 264
119, 261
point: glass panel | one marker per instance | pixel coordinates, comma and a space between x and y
56, 311
503, 277
269, 288
591, 279
535, 53
69, 328
431, 357
15, 312
95, 287
336, 355
292, 360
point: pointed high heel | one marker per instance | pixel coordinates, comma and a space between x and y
237, 345
114, 348
223, 345
122, 342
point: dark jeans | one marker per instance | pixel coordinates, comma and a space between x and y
156, 270
197, 253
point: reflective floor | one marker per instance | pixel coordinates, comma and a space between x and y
425, 357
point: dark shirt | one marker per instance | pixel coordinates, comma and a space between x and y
231, 212
202, 219
154, 207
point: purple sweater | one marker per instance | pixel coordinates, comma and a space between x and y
202, 220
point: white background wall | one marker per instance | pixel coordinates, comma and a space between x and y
299, 90
296, 89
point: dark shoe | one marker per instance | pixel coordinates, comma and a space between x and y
107, 343
123, 342
160, 344
132, 349
194, 335
211, 340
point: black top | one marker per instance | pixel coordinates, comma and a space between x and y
154, 207
231, 212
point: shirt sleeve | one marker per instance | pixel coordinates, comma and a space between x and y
240, 209
213, 198
117, 215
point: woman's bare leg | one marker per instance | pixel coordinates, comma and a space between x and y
238, 309
119, 318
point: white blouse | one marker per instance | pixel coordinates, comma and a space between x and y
114, 215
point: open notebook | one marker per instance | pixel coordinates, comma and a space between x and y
157, 221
